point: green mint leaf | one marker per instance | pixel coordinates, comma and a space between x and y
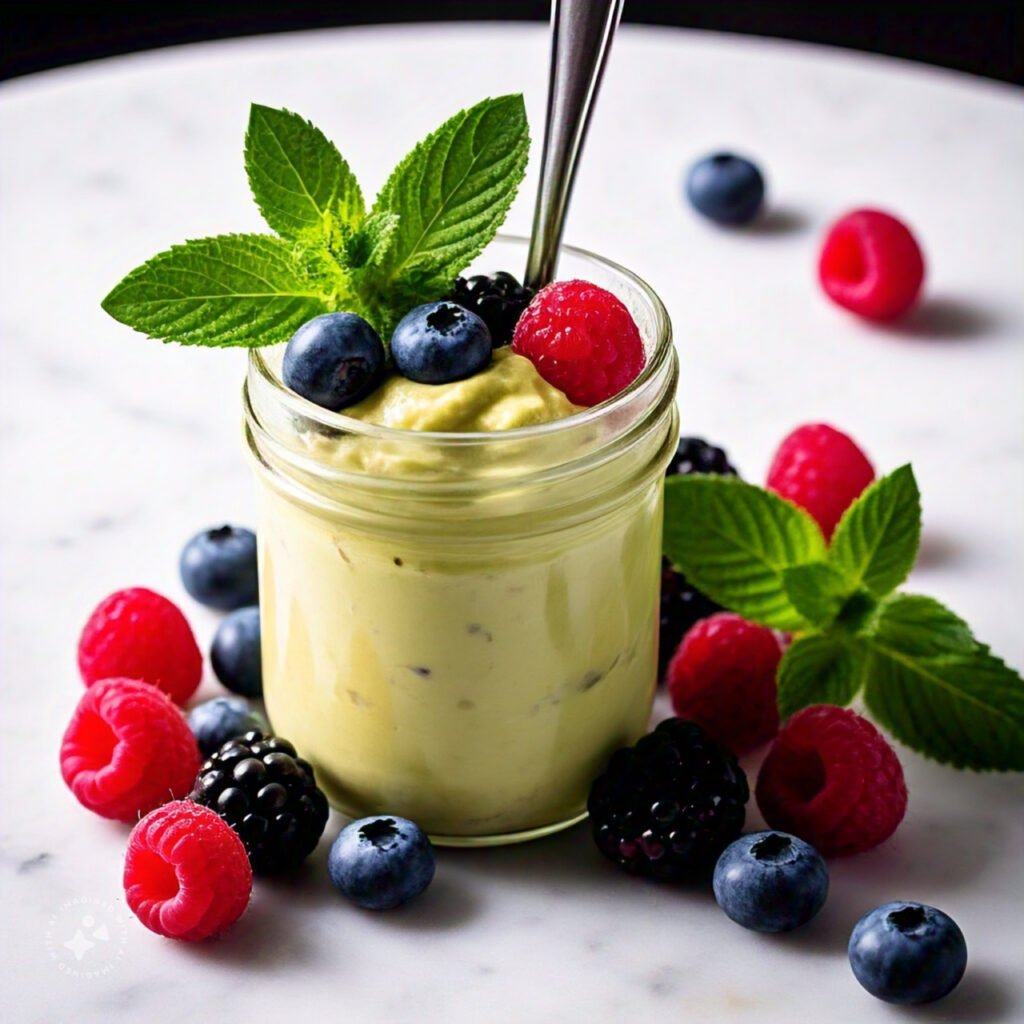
451, 194
298, 178
247, 290
735, 541
369, 244
940, 692
876, 541
816, 591
821, 668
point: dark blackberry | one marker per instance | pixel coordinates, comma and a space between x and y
669, 805
268, 795
498, 300
682, 604
695, 455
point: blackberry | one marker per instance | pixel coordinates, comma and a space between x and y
682, 604
268, 795
499, 301
669, 805
695, 455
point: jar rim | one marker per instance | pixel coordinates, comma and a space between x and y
349, 425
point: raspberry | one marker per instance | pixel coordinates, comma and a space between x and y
582, 340
127, 750
138, 634
822, 470
871, 265
832, 779
723, 678
670, 804
186, 874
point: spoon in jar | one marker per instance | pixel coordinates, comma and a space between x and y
581, 36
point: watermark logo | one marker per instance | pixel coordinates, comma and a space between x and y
86, 937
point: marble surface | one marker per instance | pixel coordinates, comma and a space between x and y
114, 449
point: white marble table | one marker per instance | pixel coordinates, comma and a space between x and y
114, 449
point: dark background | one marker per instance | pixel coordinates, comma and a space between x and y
985, 37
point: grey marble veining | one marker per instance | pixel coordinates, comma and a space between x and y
114, 449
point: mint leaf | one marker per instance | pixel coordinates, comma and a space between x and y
876, 541
735, 541
451, 194
816, 591
229, 290
298, 178
818, 669
939, 691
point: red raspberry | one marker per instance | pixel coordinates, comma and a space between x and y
186, 874
723, 678
127, 750
871, 265
582, 340
832, 779
141, 635
822, 470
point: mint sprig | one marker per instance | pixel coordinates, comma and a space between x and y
922, 673
441, 206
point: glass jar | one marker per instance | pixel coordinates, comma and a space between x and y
460, 628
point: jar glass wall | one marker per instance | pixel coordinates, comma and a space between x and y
460, 628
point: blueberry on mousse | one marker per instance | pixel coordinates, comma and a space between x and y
334, 360
726, 188
218, 568
908, 953
770, 882
235, 653
381, 862
440, 342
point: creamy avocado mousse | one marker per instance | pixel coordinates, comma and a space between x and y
460, 481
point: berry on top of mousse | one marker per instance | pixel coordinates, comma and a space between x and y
498, 299
582, 339
440, 342
334, 360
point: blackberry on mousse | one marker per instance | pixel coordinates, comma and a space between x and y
670, 804
268, 795
499, 300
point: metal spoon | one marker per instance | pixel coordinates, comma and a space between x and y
581, 36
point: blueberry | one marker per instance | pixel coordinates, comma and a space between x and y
218, 567
440, 342
334, 360
907, 953
216, 721
726, 188
381, 862
235, 652
770, 882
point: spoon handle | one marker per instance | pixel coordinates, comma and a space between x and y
581, 36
